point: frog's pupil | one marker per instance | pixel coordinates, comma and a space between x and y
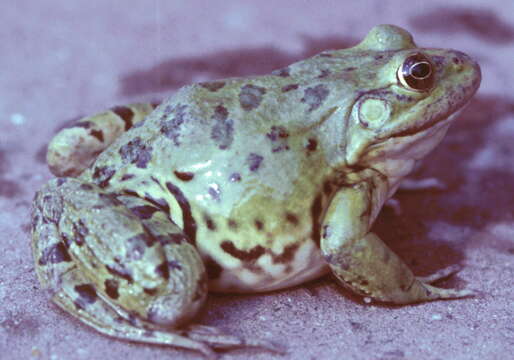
420, 70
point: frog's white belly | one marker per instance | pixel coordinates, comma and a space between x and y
265, 274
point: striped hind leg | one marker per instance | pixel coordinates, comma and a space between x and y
75, 148
120, 265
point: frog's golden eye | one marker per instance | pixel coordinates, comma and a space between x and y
416, 73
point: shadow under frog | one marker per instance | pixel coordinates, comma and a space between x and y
176, 72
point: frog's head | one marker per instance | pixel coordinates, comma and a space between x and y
413, 98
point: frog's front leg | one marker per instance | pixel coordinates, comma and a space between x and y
120, 265
76, 147
362, 262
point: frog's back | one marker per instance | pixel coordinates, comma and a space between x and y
241, 171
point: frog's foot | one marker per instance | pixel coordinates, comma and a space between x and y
220, 341
75, 148
439, 274
422, 184
78, 298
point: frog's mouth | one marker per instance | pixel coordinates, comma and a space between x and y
433, 123
412, 144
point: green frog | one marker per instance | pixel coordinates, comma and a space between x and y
244, 185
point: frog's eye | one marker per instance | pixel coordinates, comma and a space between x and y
416, 73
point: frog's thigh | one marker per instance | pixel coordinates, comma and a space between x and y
74, 148
69, 201
363, 262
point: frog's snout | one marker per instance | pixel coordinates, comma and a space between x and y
464, 64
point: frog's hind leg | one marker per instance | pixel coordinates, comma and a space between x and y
75, 148
120, 265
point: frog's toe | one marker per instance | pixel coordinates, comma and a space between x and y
436, 293
440, 274
216, 339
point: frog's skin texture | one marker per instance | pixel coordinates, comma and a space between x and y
244, 185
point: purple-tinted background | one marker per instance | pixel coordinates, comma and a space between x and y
61, 59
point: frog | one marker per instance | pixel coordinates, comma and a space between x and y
244, 185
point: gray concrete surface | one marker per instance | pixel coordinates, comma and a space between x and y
62, 59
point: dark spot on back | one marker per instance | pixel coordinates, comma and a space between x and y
172, 121
315, 96
278, 136
316, 215
111, 288
54, 254
243, 255
289, 87
86, 295
277, 132
250, 96
184, 176
126, 114
254, 161
222, 131
212, 85
187, 217
136, 152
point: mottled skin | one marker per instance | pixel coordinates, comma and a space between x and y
244, 185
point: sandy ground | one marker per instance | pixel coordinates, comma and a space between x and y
60, 60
